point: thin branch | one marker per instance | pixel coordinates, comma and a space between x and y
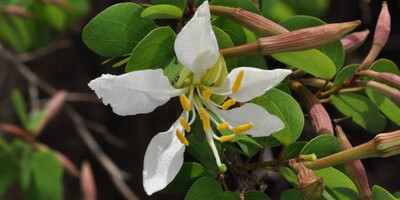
115, 173
26, 57
82, 97
105, 133
34, 96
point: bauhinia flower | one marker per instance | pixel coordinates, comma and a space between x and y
204, 84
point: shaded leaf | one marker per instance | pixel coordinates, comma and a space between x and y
162, 11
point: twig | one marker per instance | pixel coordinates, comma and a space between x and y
82, 97
114, 172
34, 96
105, 133
26, 57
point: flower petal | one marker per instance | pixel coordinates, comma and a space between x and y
256, 82
135, 92
163, 160
196, 45
264, 124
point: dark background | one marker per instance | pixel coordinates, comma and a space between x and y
73, 67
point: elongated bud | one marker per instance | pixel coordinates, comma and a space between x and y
16, 10
386, 77
354, 40
388, 91
88, 185
355, 169
381, 35
297, 40
318, 115
254, 22
383, 145
51, 109
311, 186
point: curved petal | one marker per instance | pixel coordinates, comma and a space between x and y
256, 82
264, 124
163, 160
196, 45
135, 92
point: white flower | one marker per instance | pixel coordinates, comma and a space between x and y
142, 91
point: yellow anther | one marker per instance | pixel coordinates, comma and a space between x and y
237, 82
226, 138
185, 124
185, 103
222, 126
182, 138
206, 94
228, 104
242, 128
205, 119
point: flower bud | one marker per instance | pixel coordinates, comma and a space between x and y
355, 169
51, 109
88, 184
16, 10
354, 40
311, 186
297, 40
381, 35
386, 77
388, 91
318, 115
387, 144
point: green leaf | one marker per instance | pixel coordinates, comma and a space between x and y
333, 50
178, 3
309, 7
25, 172
337, 184
47, 174
252, 61
397, 195
379, 193
117, 30
199, 147
245, 4
311, 61
321, 146
204, 188
255, 195
35, 120
388, 108
16, 32
345, 74
187, 175
172, 70
53, 15
8, 171
79, 8
208, 188
224, 41
292, 194
276, 10
290, 109
294, 149
153, 51
268, 142
162, 11
361, 109
236, 32
19, 106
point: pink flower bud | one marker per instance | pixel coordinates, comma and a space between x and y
354, 40
382, 29
88, 184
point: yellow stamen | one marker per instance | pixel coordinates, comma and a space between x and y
228, 104
185, 103
226, 138
242, 128
222, 126
206, 94
185, 124
237, 82
182, 138
204, 118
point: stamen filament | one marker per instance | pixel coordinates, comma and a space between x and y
185, 124
185, 102
226, 138
237, 82
206, 94
182, 138
193, 116
242, 128
204, 118
223, 126
209, 134
228, 104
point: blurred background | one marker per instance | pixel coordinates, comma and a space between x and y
58, 56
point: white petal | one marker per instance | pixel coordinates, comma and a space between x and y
135, 92
163, 160
264, 124
256, 82
196, 45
